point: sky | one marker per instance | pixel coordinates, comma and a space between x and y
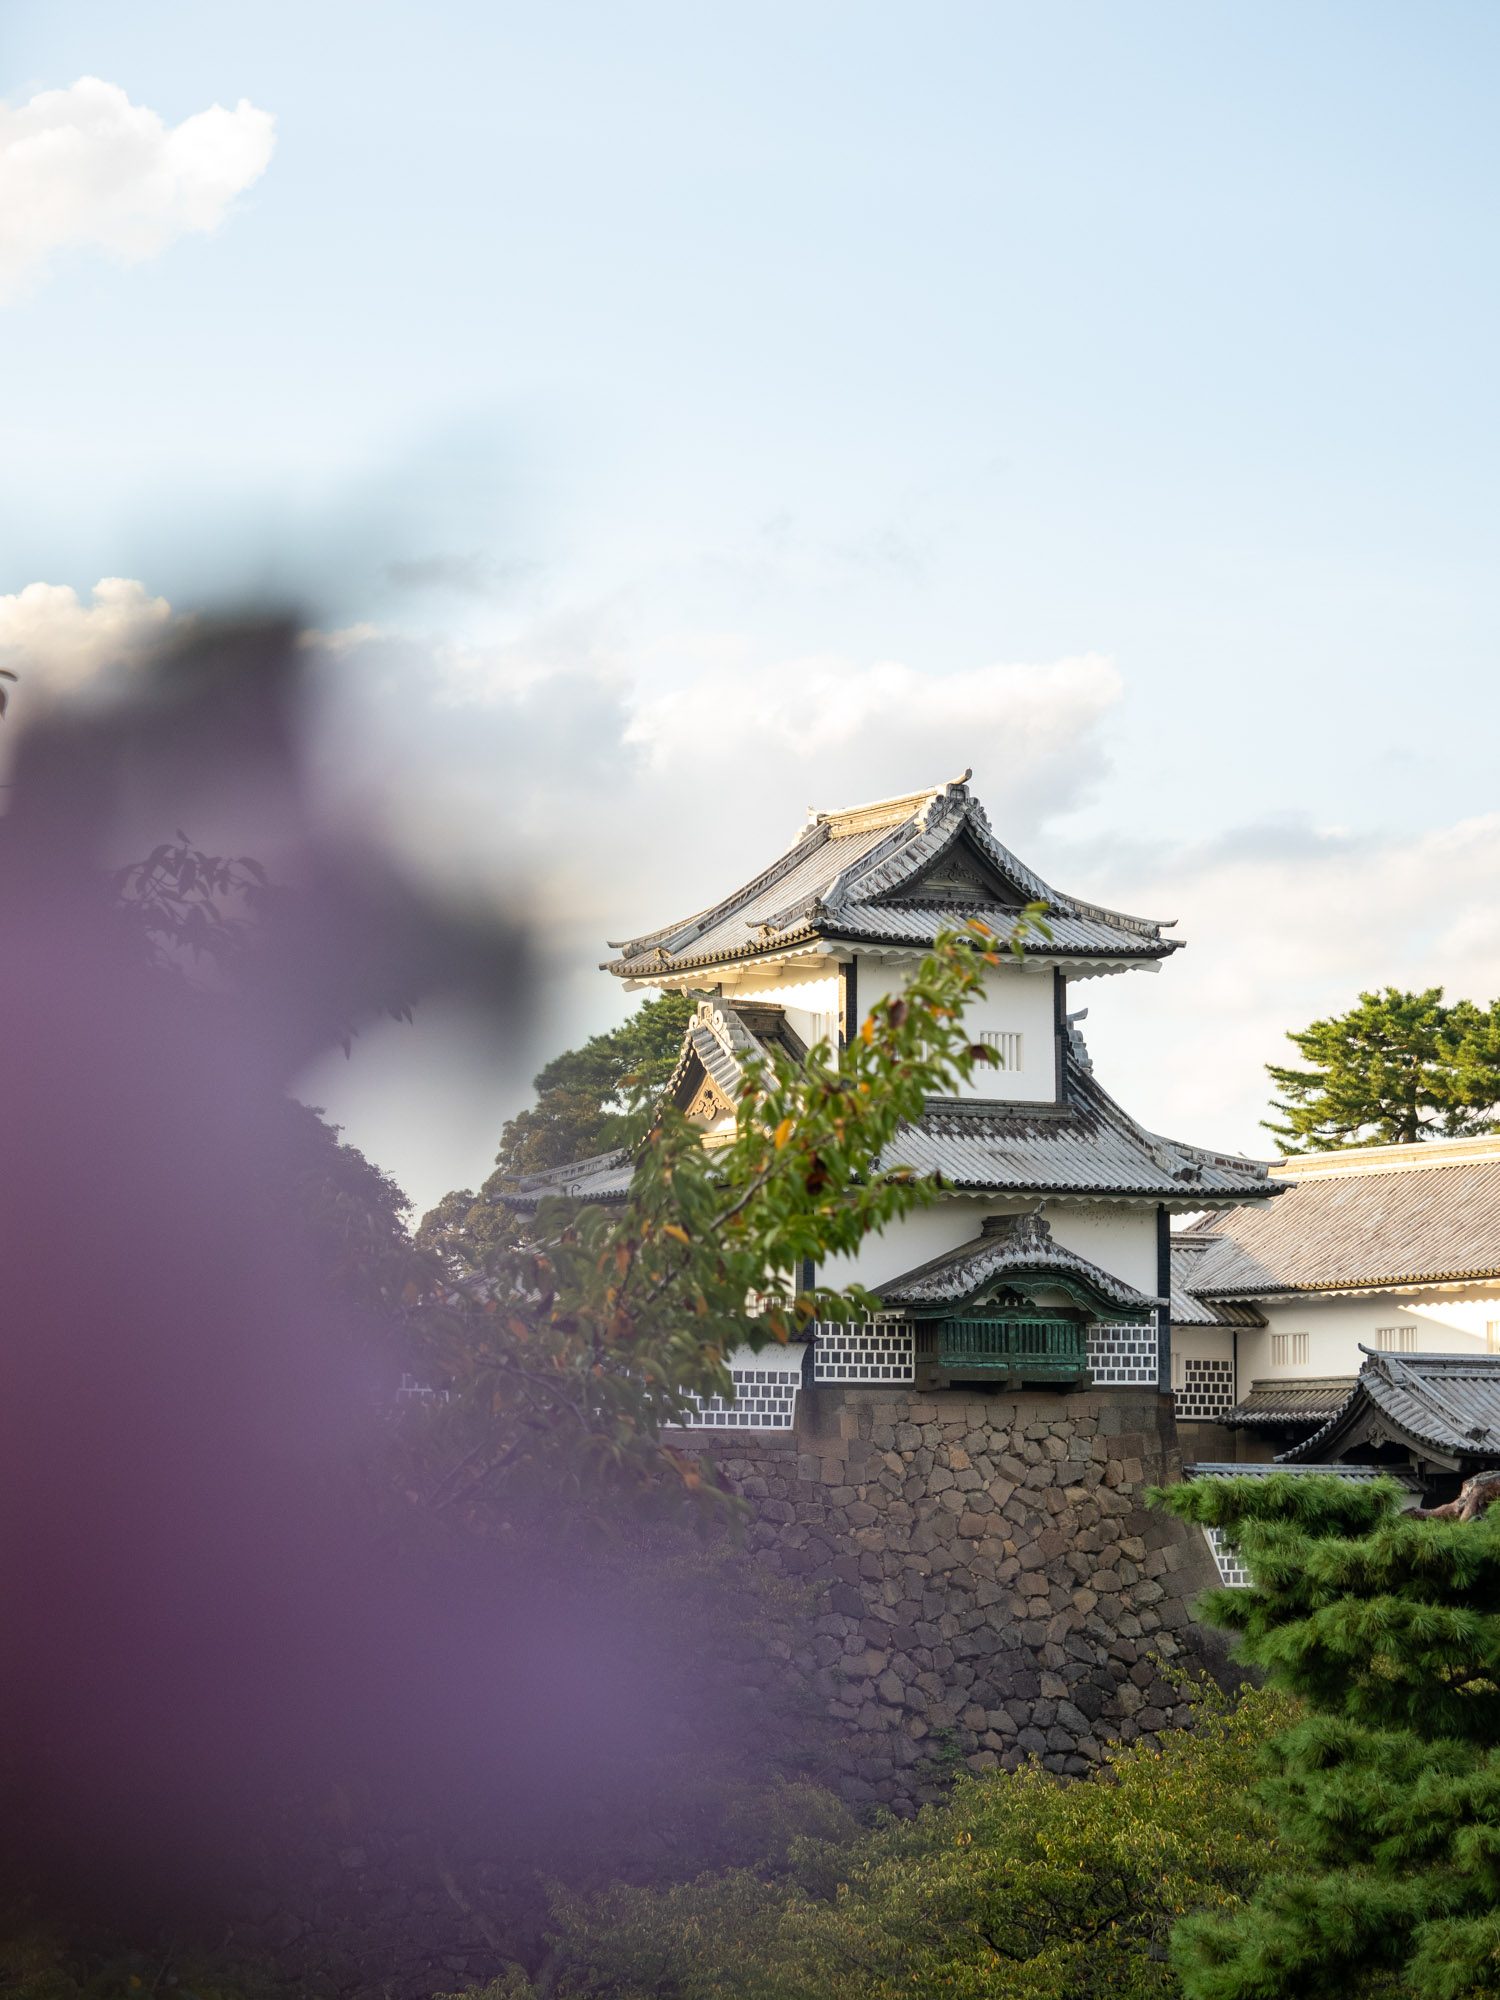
673, 417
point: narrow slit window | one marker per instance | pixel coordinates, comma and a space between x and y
1401, 1339
1289, 1350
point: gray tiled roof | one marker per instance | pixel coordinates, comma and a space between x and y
1339, 1232
1305, 1399
1011, 1250
1087, 1144
1188, 1250
1445, 1403
859, 875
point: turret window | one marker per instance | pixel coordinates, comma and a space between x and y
1006, 1043
1396, 1339
1289, 1350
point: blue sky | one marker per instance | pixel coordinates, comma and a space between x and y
662, 348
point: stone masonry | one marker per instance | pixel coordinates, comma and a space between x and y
988, 1582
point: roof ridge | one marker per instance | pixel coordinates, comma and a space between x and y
894, 811
1418, 1156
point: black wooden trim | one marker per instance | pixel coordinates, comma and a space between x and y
848, 1002
1059, 1028
1164, 1292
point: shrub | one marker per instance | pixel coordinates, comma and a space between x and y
1020, 1884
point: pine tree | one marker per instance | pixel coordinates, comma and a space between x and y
1397, 1068
584, 1094
1387, 1628
584, 1097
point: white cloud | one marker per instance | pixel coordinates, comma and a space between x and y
85, 166
56, 643
627, 812
536, 767
828, 731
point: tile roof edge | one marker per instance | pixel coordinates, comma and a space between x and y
1392, 1281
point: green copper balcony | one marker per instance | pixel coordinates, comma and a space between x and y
1022, 1348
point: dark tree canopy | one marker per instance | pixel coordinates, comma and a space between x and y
583, 1095
1386, 1629
1397, 1068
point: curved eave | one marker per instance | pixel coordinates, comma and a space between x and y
1133, 951
531, 1202
1350, 1428
1190, 1311
1159, 1193
1137, 948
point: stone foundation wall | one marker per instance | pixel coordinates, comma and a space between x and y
989, 1582
966, 1579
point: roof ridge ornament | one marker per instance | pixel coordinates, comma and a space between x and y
1029, 1228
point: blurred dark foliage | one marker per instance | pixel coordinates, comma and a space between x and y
244, 1603
204, 1301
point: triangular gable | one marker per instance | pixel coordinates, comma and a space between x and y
1442, 1408
946, 843
959, 873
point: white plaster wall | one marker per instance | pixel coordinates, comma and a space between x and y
1337, 1327
1445, 1323
1120, 1240
1452, 1321
1017, 997
911, 1241
809, 994
815, 1027
1204, 1343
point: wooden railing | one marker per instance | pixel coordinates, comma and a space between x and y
1033, 1349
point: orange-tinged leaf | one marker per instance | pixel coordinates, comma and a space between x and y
783, 1133
675, 1229
867, 1032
